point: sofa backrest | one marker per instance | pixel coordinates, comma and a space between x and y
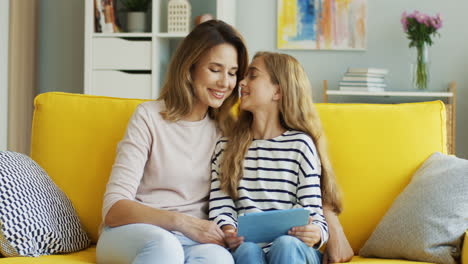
74, 138
374, 150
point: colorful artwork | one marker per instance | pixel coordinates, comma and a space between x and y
322, 24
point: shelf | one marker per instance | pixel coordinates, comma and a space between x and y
171, 35
392, 93
139, 35
122, 35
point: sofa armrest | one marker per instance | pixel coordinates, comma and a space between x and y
464, 259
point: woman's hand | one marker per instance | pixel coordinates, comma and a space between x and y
231, 238
203, 231
338, 248
310, 234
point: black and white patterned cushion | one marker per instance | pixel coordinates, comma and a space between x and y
36, 217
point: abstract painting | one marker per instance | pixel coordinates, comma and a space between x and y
322, 24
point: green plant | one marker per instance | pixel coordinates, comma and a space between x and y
136, 5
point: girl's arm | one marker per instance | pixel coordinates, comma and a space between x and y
222, 209
338, 248
309, 196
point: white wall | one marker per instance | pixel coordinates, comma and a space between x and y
4, 25
387, 47
61, 46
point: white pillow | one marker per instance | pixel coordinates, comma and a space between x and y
428, 219
36, 217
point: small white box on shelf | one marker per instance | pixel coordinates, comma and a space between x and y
178, 16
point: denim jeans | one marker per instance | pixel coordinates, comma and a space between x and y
149, 244
284, 249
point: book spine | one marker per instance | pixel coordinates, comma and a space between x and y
368, 70
362, 89
372, 75
363, 79
351, 84
108, 11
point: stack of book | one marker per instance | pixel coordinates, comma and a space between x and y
364, 80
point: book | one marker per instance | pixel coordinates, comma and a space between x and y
363, 79
368, 70
267, 226
105, 20
362, 89
350, 83
357, 74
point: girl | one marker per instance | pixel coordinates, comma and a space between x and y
155, 205
274, 159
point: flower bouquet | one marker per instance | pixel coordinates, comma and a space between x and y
420, 28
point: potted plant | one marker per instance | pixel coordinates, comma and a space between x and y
136, 14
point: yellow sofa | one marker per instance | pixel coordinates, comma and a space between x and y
374, 149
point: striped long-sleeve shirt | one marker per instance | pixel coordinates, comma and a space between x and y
279, 173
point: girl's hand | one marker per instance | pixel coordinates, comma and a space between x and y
231, 238
203, 231
309, 234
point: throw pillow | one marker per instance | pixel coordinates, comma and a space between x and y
427, 220
36, 218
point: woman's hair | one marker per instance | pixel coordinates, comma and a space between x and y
297, 112
177, 91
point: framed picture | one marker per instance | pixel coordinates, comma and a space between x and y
322, 24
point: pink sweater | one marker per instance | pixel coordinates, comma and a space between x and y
163, 164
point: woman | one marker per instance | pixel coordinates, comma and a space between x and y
156, 199
275, 158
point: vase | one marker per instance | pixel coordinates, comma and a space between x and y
421, 67
136, 22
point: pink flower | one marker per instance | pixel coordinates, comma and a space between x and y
420, 28
404, 21
421, 18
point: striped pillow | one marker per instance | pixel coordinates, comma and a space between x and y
36, 217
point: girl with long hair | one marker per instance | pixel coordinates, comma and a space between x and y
274, 158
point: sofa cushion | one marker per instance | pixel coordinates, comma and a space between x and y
374, 150
359, 260
429, 218
36, 217
74, 138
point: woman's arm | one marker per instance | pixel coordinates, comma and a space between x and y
119, 207
338, 248
128, 212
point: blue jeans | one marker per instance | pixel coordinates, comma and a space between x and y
149, 244
284, 249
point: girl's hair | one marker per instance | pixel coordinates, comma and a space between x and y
177, 91
297, 112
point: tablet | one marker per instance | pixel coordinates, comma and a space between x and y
267, 226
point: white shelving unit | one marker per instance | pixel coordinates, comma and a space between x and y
450, 98
133, 65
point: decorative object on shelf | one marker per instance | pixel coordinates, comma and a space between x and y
178, 16
322, 24
203, 18
420, 28
104, 15
136, 14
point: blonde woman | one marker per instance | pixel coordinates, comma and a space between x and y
275, 158
155, 205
